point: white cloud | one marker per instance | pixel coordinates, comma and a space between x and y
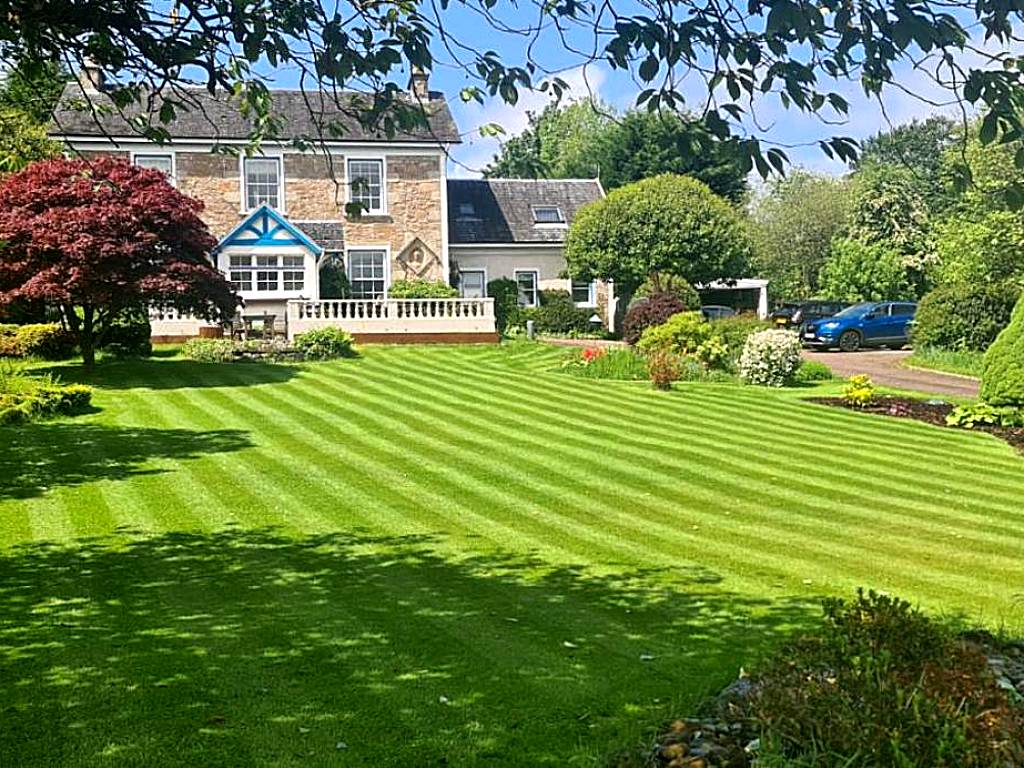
476, 151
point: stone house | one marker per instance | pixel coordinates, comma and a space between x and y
279, 215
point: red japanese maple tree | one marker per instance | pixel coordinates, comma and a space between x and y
94, 238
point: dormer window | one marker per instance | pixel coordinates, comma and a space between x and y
549, 215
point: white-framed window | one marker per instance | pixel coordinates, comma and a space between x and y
368, 273
473, 283
160, 161
549, 215
261, 182
584, 293
526, 280
267, 273
366, 184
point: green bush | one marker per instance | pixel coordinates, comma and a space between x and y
209, 350
24, 397
964, 316
334, 283
507, 312
685, 334
881, 685
734, 330
557, 314
44, 340
1002, 374
860, 390
811, 371
128, 335
325, 344
601, 363
421, 289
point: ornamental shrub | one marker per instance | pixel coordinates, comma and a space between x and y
880, 684
654, 310
325, 344
686, 334
673, 285
859, 391
128, 335
964, 316
24, 397
811, 371
734, 330
1002, 373
664, 368
507, 312
421, 289
44, 340
558, 314
770, 358
985, 414
209, 350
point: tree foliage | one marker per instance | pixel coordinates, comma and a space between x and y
27, 97
94, 239
919, 147
666, 225
794, 224
795, 55
859, 271
583, 140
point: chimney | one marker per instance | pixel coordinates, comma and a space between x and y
419, 83
90, 76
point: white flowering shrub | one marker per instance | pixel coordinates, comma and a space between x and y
770, 358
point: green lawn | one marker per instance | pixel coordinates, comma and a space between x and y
440, 556
960, 362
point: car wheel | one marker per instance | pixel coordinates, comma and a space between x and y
849, 341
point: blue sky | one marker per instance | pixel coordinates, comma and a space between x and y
775, 123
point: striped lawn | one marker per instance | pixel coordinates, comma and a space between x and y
449, 556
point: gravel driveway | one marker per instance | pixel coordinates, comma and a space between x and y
885, 368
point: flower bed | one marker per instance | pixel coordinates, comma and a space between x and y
929, 411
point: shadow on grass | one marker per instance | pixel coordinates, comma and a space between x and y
251, 648
36, 457
162, 373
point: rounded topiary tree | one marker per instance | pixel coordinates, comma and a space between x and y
1002, 374
663, 226
964, 315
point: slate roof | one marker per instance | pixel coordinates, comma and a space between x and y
503, 208
329, 235
216, 118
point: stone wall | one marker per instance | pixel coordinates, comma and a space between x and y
315, 190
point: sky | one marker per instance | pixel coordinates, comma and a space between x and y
789, 128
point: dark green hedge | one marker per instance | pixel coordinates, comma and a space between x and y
558, 313
964, 317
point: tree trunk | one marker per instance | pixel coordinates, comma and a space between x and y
86, 342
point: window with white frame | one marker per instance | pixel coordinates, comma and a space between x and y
262, 181
366, 185
267, 273
367, 273
160, 161
583, 293
548, 214
526, 281
472, 284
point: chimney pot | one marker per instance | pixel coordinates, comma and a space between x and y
90, 76
419, 83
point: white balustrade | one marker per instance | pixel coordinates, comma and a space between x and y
380, 316
171, 322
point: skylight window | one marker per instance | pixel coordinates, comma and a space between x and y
466, 210
548, 214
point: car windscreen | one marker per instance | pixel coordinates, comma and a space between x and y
856, 309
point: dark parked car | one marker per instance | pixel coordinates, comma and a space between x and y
717, 311
796, 314
871, 324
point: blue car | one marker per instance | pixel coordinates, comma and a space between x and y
871, 324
